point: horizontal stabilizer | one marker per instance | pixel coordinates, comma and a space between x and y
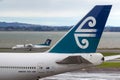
108, 58
73, 60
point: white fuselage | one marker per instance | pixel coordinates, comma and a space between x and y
29, 46
23, 66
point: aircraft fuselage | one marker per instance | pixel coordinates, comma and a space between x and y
22, 66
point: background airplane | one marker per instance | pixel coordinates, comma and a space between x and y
32, 46
76, 50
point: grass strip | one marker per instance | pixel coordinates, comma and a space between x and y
109, 65
109, 54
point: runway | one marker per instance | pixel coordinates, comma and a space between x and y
85, 76
111, 50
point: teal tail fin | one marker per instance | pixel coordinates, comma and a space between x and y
85, 35
47, 42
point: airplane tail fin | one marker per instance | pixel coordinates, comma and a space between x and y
47, 42
85, 35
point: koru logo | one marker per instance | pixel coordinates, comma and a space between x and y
84, 43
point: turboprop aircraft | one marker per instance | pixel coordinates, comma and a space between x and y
32, 46
76, 50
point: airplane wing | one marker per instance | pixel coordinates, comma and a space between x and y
40, 46
108, 58
18, 46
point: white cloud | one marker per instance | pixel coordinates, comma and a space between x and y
50, 7
54, 8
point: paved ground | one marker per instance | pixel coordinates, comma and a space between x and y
3, 50
45, 49
109, 50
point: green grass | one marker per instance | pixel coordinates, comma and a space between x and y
109, 65
109, 54
108, 48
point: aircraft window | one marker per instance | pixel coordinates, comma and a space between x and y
30, 67
40, 67
18, 67
47, 67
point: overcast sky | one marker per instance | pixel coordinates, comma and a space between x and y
54, 12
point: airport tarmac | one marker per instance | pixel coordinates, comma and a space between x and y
45, 49
85, 76
22, 50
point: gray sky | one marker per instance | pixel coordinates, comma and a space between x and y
54, 12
